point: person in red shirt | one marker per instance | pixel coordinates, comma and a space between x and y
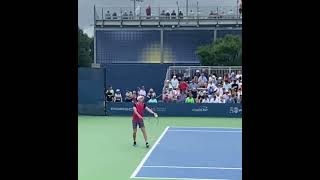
137, 119
183, 86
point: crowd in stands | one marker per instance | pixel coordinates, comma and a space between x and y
130, 96
201, 87
167, 15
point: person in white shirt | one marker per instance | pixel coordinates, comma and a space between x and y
202, 80
220, 89
227, 85
206, 98
174, 82
214, 99
239, 75
210, 84
142, 92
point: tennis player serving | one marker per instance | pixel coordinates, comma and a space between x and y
137, 119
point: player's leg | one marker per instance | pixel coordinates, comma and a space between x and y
141, 125
134, 124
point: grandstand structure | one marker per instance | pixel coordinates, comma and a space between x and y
158, 39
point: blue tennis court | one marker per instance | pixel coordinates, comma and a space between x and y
194, 153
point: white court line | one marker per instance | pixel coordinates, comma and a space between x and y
135, 172
204, 127
175, 178
186, 167
183, 130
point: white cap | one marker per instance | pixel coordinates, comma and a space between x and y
197, 71
174, 76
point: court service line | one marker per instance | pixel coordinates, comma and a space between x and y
138, 177
189, 167
194, 127
185, 130
135, 172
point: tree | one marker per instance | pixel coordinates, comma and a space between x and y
226, 51
85, 49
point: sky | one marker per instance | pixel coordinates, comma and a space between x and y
85, 8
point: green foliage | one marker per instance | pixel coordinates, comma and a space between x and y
85, 49
226, 51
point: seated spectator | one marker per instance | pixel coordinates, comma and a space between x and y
206, 99
239, 75
173, 15
220, 89
219, 81
211, 85
110, 94
194, 93
182, 97
142, 92
153, 99
128, 97
226, 77
197, 73
150, 94
167, 15
134, 96
190, 99
202, 81
222, 100
118, 96
235, 85
232, 76
130, 15
211, 15
162, 15
183, 86
175, 82
214, 99
166, 98
227, 85
193, 85
125, 15
212, 90
108, 15
180, 15
114, 15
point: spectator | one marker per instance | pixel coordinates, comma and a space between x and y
151, 93
211, 15
197, 73
108, 15
125, 15
153, 99
211, 85
189, 99
222, 100
180, 15
142, 92
168, 15
173, 15
182, 97
128, 97
219, 81
193, 85
240, 99
206, 99
232, 76
191, 14
174, 82
227, 85
110, 94
239, 75
212, 90
202, 81
235, 85
114, 15
130, 15
194, 93
118, 96
226, 77
134, 96
183, 86
163, 14
148, 12
214, 99
220, 89
166, 98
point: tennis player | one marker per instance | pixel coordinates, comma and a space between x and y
137, 119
